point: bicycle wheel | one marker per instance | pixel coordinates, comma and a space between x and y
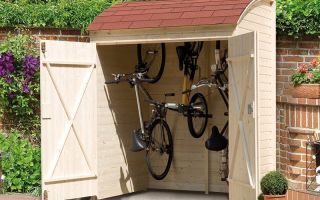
197, 115
159, 149
151, 60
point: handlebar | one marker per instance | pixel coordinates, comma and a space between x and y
112, 82
131, 78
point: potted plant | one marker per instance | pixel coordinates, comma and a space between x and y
306, 81
274, 186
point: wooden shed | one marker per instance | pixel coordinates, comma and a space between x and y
87, 126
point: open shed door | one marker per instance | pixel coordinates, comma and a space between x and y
68, 117
242, 114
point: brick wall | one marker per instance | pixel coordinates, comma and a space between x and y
297, 118
48, 34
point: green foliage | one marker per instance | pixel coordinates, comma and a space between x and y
298, 17
77, 14
22, 165
307, 73
274, 183
19, 108
260, 197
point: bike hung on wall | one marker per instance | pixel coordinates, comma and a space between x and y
196, 110
154, 136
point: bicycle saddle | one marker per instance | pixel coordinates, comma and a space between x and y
216, 142
182, 53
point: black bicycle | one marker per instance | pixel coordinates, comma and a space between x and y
154, 136
196, 110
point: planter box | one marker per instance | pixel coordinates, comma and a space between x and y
274, 197
310, 91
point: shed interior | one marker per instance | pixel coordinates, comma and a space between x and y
194, 167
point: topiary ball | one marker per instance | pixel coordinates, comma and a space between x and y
274, 183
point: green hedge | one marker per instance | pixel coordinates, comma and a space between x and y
75, 14
298, 17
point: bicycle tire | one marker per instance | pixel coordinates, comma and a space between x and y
191, 116
143, 65
169, 150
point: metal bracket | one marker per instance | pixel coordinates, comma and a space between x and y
43, 47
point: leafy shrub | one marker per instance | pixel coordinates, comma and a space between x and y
20, 85
77, 14
307, 73
298, 17
22, 165
274, 183
260, 197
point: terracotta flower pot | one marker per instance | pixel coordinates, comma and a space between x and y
310, 91
274, 197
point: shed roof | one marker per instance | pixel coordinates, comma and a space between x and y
169, 13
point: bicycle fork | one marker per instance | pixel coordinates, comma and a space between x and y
138, 141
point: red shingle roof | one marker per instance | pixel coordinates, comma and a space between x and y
169, 13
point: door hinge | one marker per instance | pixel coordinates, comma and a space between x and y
251, 109
45, 195
43, 47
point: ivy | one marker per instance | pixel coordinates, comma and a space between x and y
298, 17
76, 14
21, 166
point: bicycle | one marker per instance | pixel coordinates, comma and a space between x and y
154, 136
196, 110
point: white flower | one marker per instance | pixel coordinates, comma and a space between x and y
2, 178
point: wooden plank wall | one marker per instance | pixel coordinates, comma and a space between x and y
261, 18
120, 171
193, 167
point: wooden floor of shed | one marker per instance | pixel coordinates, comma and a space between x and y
171, 195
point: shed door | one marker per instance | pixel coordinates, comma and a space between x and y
242, 115
68, 117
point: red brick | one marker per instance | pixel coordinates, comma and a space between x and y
287, 65
288, 72
286, 44
314, 52
304, 117
309, 59
315, 117
292, 58
309, 116
297, 52
308, 45
282, 51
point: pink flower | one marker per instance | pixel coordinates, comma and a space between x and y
314, 63
310, 76
303, 68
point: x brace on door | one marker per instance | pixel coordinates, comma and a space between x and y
70, 124
240, 108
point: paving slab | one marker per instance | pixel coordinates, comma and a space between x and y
171, 195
